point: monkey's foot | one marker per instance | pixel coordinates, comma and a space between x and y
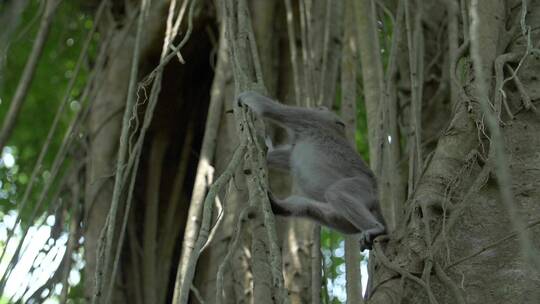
366, 241
367, 236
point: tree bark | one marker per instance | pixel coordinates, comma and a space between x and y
450, 239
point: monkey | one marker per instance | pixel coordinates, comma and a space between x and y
337, 189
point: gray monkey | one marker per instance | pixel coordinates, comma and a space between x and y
338, 189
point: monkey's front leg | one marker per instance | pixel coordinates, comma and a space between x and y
286, 116
258, 103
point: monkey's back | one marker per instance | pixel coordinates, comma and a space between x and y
317, 163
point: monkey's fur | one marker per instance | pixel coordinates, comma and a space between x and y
338, 189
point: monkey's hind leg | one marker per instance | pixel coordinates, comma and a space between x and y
320, 212
353, 199
279, 158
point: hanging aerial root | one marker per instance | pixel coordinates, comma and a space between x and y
182, 287
491, 245
232, 247
404, 273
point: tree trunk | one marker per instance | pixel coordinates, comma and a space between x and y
450, 229
163, 184
457, 241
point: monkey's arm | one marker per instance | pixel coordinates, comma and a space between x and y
286, 116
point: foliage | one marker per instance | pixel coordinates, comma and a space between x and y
47, 91
54, 70
333, 243
332, 246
